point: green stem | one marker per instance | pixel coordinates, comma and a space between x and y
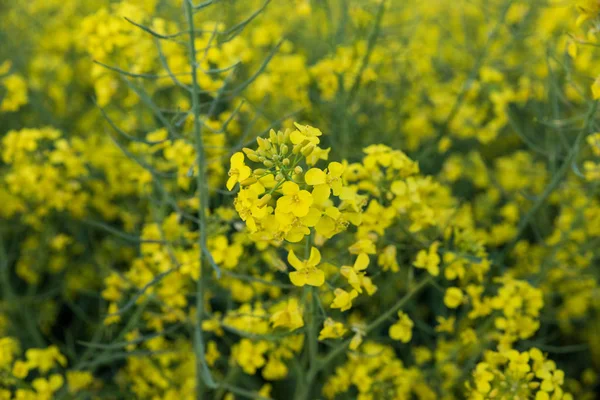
313, 344
554, 183
304, 385
11, 297
203, 374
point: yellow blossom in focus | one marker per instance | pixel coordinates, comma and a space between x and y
306, 272
294, 200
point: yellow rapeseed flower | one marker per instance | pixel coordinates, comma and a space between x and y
306, 272
238, 171
294, 200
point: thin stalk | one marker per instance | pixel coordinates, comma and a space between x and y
10, 296
203, 375
310, 294
554, 183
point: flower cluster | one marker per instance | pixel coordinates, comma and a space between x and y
512, 374
284, 197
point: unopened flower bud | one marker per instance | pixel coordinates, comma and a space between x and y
248, 181
278, 177
298, 170
273, 136
306, 150
268, 163
286, 161
263, 143
284, 149
260, 172
264, 200
253, 157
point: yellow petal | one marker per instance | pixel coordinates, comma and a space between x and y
301, 209
333, 212
298, 279
237, 160
294, 261
320, 194
312, 218
297, 137
284, 204
315, 257
325, 226
336, 169
231, 182
347, 193
251, 224
294, 236
284, 218
362, 262
337, 187
315, 278
315, 176
305, 197
290, 188
244, 172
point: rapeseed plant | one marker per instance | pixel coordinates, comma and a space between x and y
299, 199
